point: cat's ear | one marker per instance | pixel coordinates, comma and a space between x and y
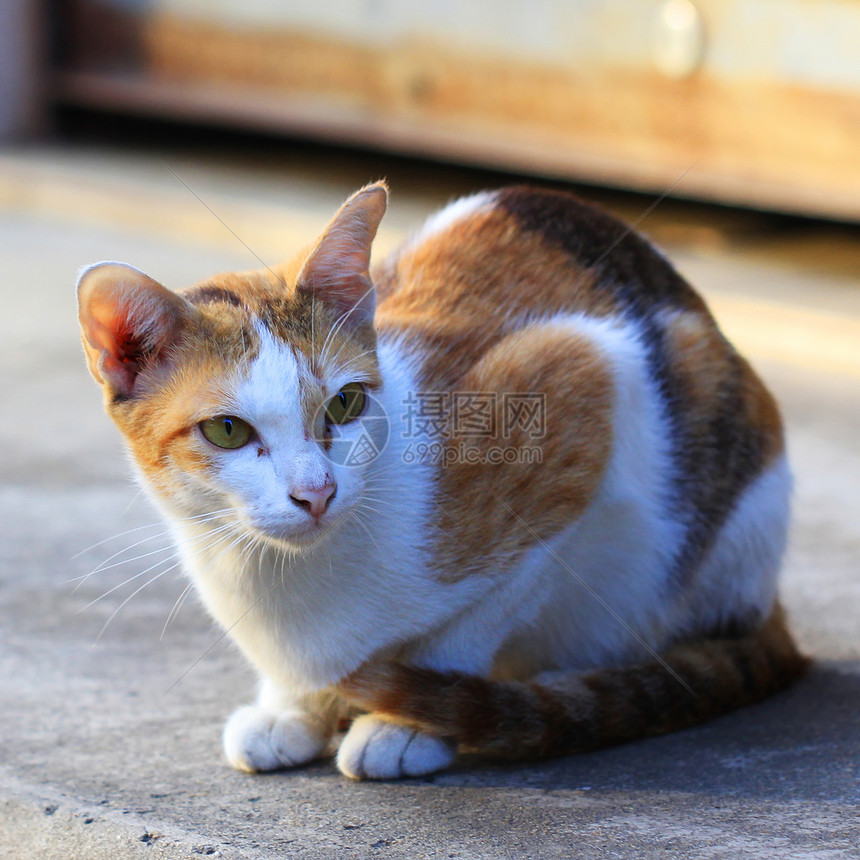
128, 321
337, 268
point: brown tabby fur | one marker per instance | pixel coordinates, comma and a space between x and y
695, 682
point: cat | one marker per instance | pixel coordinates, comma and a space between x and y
514, 493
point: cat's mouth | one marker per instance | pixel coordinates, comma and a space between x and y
297, 536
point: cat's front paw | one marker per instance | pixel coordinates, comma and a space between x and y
256, 739
377, 749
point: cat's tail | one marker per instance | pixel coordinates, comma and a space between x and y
689, 684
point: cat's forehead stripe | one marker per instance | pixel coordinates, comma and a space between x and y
205, 295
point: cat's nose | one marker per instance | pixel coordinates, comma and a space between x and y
315, 500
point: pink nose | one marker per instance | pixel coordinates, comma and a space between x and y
315, 500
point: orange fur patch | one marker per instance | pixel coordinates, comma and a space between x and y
487, 513
218, 343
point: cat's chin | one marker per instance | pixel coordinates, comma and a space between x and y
297, 537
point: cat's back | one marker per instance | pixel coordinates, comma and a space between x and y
490, 264
497, 283
493, 260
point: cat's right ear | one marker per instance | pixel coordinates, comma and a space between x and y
128, 322
337, 270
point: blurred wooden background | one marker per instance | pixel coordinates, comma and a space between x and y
752, 102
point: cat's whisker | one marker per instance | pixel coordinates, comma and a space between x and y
369, 497
181, 599
354, 359
175, 609
244, 342
172, 550
208, 515
247, 552
382, 474
377, 500
237, 539
217, 217
347, 366
217, 530
364, 506
105, 567
133, 499
133, 595
358, 518
330, 564
142, 587
162, 533
262, 596
126, 581
329, 335
373, 511
283, 566
341, 321
371, 488
313, 328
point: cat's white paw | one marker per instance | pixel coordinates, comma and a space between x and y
376, 749
256, 739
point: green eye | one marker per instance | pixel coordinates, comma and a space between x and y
227, 431
346, 405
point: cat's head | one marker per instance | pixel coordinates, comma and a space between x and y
229, 394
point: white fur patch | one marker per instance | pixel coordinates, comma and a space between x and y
605, 574
305, 618
258, 740
451, 214
594, 593
377, 749
738, 578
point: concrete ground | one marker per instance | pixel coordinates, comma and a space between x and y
111, 711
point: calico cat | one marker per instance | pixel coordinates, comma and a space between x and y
515, 493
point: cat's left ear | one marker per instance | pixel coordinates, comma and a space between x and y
337, 270
128, 324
